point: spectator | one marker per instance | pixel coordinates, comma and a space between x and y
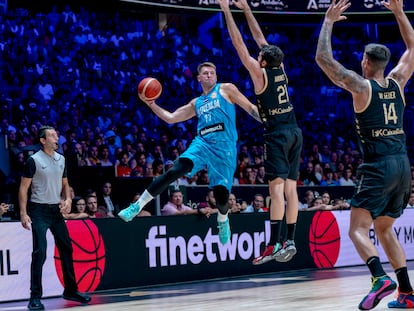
157, 167
326, 198
317, 205
105, 200
318, 171
93, 158
308, 199
329, 178
3, 209
92, 206
341, 204
175, 205
257, 205
210, 201
236, 206
261, 178
410, 203
139, 164
113, 142
346, 179
122, 167
103, 155
249, 176
78, 209
308, 176
76, 156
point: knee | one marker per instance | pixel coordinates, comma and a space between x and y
180, 168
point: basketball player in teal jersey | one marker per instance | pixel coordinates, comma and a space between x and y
283, 138
213, 148
384, 179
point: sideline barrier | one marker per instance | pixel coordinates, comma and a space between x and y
111, 254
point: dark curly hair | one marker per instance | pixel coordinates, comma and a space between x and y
273, 55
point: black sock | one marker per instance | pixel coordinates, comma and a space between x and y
375, 266
275, 230
403, 280
291, 229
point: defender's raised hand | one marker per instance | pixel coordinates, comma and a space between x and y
336, 9
393, 5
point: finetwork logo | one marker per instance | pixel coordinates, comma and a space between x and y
166, 251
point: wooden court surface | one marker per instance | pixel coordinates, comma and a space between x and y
339, 289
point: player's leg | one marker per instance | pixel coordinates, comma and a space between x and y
389, 241
292, 208
277, 169
396, 256
382, 284
181, 167
274, 249
221, 194
291, 192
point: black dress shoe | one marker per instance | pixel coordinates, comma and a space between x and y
35, 304
76, 296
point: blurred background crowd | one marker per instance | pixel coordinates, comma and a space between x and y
77, 69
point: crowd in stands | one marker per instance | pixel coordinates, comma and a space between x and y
77, 70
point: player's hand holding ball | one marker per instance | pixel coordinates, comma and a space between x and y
149, 89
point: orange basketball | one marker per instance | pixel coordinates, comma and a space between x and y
149, 89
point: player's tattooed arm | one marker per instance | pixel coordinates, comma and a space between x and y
335, 71
255, 114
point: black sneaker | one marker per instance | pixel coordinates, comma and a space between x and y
76, 296
35, 304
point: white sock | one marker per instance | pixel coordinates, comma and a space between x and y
144, 199
221, 217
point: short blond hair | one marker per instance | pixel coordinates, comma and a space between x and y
205, 64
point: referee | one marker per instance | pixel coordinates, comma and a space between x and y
46, 175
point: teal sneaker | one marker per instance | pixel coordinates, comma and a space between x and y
403, 301
288, 253
224, 231
130, 212
381, 287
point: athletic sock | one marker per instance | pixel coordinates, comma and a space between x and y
375, 266
291, 229
144, 199
403, 280
275, 230
221, 217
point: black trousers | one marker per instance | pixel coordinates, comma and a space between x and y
44, 217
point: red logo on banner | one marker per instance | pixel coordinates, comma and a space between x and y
324, 239
88, 254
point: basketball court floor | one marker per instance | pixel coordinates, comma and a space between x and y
339, 289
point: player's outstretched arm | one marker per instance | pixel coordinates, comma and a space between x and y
336, 72
236, 37
405, 67
252, 22
251, 64
183, 113
233, 94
